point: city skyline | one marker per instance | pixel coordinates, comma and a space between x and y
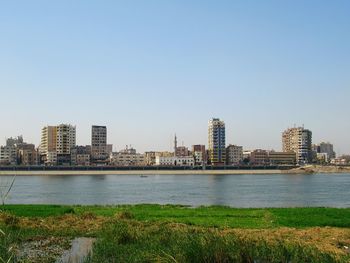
152, 69
175, 143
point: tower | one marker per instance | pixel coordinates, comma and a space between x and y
175, 145
99, 143
298, 140
216, 142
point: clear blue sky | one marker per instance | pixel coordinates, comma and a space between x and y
148, 69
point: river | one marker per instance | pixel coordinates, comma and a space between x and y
248, 190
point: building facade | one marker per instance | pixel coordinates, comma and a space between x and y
80, 155
99, 151
56, 144
175, 161
182, 151
27, 154
259, 157
127, 157
327, 148
200, 154
216, 142
234, 154
282, 158
298, 140
8, 153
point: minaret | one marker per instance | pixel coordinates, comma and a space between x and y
175, 145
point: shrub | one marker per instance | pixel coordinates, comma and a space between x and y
125, 215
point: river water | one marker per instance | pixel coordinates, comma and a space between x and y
277, 190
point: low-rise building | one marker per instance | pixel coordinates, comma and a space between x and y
182, 151
282, 158
27, 154
81, 155
322, 158
175, 161
339, 161
51, 158
8, 153
127, 157
200, 154
150, 158
234, 154
259, 157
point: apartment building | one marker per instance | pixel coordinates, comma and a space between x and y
56, 144
216, 142
234, 154
298, 140
99, 151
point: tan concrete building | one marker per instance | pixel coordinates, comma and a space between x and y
56, 143
8, 153
234, 154
282, 158
81, 155
298, 140
259, 157
127, 157
27, 154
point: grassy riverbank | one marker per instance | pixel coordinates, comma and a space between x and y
155, 233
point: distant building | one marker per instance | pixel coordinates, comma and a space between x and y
109, 149
326, 147
56, 143
99, 151
150, 158
27, 154
48, 145
339, 161
8, 153
282, 158
81, 155
175, 161
216, 142
127, 157
51, 158
164, 154
234, 154
298, 140
182, 151
200, 154
259, 157
322, 158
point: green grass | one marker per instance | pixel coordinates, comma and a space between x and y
131, 241
213, 216
174, 233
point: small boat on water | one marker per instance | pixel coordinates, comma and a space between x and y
143, 176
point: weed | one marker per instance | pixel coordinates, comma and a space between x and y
125, 215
